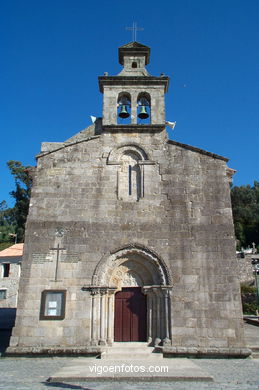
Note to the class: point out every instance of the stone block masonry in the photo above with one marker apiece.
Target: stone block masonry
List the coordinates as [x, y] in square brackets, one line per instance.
[124, 209]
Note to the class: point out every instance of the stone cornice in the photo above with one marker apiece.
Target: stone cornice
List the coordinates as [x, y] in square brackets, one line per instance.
[133, 80]
[133, 128]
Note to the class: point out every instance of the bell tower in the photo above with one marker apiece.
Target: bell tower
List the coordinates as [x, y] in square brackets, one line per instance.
[133, 100]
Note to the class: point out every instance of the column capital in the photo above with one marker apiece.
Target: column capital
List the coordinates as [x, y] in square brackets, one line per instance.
[99, 290]
[157, 289]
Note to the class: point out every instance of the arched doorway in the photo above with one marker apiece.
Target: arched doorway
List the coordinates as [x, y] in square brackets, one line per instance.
[131, 298]
[130, 306]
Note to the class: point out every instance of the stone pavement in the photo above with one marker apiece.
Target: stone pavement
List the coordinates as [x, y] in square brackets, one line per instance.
[125, 370]
[229, 374]
[32, 373]
[252, 335]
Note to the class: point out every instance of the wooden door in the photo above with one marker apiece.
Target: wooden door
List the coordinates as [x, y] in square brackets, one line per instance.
[130, 315]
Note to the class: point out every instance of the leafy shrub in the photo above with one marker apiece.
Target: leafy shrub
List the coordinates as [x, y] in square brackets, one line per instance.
[245, 289]
[250, 308]
[248, 295]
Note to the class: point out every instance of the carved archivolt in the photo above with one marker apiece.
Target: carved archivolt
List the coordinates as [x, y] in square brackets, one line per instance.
[132, 265]
[123, 276]
[130, 273]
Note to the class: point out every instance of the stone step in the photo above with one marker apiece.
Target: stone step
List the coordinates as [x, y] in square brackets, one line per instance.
[87, 369]
[130, 351]
[255, 351]
[130, 356]
[130, 344]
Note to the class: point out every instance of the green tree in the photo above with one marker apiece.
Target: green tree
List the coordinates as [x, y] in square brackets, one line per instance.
[245, 205]
[23, 184]
[12, 220]
[6, 225]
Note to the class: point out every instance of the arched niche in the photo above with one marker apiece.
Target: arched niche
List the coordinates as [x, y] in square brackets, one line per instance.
[124, 108]
[130, 174]
[116, 153]
[143, 108]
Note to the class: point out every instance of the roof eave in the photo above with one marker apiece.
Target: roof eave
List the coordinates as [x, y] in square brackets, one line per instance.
[198, 150]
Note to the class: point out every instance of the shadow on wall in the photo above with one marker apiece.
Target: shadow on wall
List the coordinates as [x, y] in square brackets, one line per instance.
[5, 336]
[7, 320]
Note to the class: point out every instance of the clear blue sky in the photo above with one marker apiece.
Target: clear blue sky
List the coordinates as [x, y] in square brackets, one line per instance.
[52, 52]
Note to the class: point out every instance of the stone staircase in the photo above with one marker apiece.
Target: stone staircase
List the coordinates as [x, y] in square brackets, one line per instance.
[130, 351]
[255, 352]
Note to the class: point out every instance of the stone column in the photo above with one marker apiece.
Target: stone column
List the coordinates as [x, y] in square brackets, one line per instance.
[134, 108]
[149, 295]
[167, 312]
[94, 335]
[110, 315]
[142, 179]
[158, 316]
[103, 315]
[109, 319]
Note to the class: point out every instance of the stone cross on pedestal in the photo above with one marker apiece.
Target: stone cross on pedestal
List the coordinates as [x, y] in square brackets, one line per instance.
[58, 249]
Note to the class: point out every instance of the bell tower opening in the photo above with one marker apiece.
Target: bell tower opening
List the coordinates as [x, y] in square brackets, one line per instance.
[124, 108]
[144, 108]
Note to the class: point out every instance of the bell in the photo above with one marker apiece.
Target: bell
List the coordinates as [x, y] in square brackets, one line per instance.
[123, 113]
[143, 113]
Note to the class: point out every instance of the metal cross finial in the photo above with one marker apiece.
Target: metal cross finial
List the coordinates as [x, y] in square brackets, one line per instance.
[134, 30]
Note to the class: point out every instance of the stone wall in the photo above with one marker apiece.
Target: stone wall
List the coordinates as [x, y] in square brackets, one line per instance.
[184, 215]
[10, 284]
[245, 269]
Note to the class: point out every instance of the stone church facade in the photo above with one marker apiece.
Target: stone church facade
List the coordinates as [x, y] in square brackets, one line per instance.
[129, 235]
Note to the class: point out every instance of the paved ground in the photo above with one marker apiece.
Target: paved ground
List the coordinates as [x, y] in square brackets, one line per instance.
[32, 373]
[229, 374]
[252, 335]
[148, 370]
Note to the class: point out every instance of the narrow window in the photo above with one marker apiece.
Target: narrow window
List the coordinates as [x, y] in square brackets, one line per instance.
[6, 270]
[134, 65]
[136, 181]
[130, 180]
[53, 305]
[2, 294]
